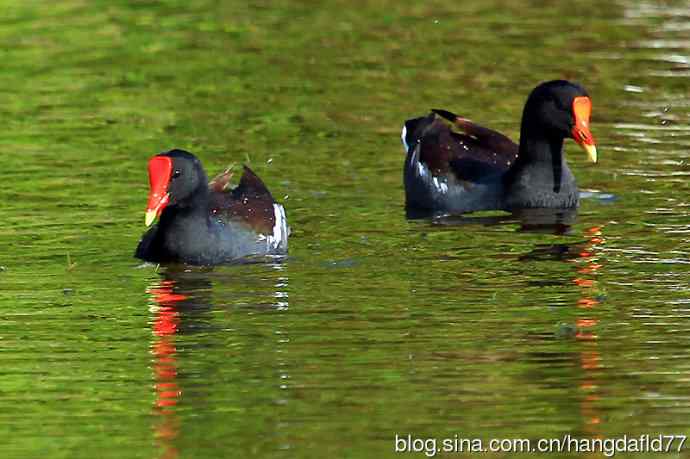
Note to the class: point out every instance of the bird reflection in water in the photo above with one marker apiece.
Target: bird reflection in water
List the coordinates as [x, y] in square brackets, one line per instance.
[180, 303]
[166, 322]
[550, 221]
[179, 300]
[584, 255]
[588, 265]
[590, 357]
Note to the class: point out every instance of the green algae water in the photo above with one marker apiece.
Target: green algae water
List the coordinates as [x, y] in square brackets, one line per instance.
[376, 325]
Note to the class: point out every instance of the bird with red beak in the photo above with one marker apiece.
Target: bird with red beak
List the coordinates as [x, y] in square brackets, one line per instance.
[206, 223]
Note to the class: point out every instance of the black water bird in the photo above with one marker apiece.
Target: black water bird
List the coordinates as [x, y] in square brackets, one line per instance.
[455, 166]
[204, 223]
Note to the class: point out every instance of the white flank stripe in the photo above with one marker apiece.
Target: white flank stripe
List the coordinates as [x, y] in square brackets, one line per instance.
[421, 169]
[440, 185]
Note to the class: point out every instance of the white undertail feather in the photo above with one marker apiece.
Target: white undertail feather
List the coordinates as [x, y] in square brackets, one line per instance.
[402, 137]
[278, 240]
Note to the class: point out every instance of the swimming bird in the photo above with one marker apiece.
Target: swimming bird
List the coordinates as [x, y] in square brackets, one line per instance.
[204, 223]
[454, 165]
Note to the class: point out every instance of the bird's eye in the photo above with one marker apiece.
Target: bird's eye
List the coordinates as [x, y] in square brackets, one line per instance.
[176, 174]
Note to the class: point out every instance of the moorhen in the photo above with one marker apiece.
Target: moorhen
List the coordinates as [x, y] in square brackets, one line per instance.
[203, 223]
[455, 166]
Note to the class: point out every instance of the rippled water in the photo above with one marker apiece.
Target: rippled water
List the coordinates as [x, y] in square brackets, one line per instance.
[376, 325]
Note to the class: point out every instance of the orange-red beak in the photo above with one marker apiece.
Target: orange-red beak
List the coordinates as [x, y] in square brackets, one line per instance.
[582, 109]
[160, 171]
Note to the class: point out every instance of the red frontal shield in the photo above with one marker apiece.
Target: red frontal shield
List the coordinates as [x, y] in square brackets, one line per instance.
[160, 171]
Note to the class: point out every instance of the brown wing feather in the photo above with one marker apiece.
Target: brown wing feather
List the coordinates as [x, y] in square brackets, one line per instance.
[488, 138]
[474, 153]
[249, 202]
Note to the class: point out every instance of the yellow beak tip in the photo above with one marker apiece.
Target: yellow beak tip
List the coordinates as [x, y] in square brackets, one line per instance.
[591, 153]
[150, 217]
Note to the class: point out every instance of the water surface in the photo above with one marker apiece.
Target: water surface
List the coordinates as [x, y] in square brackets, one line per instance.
[376, 325]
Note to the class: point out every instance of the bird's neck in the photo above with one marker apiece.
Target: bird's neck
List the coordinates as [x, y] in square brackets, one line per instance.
[541, 151]
[536, 145]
